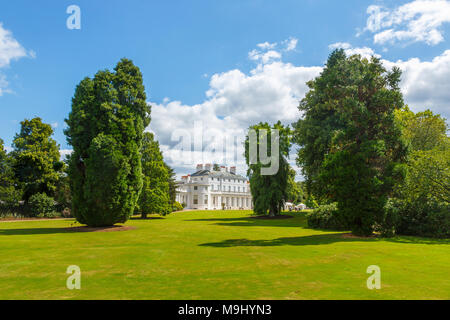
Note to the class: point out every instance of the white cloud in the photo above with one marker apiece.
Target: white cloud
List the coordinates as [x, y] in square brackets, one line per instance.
[64, 152]
[3, 84]
[364, 52]
[266, 45]
[426, 84]
[416, 21]
[10, 49]
[270, 92]
[291, 44]
[269, 52]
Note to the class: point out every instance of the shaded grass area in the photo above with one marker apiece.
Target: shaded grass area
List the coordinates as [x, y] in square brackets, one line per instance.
[216, 255]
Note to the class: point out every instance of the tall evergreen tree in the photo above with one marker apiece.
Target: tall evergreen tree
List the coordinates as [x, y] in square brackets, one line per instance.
[172, 185]
[155, 195]
[351, 148]
[269, 192]
[106, 127]
[10, 192]
[36, 158]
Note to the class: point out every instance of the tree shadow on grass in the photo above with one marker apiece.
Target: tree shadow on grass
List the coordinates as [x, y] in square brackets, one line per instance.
[289, 241]
[35, 231]
[254, 221]
[75, 229]
[319, 239]
[148, 218]
[417, 240]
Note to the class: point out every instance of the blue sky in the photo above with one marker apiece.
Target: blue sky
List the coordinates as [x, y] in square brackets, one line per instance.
[196, 54]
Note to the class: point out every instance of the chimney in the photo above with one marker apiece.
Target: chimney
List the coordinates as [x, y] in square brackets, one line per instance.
[208, 166]
[199, 167]
[233, 170]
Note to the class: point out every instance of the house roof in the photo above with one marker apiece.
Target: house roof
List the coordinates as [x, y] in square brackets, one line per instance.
[217, 174]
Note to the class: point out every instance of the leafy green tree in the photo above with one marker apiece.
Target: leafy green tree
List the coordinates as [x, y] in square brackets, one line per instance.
[423, 130]
[428, 173]
[216, 167]
[269, 191]
[172, 185]
[106, 127]
[9, 190]
[36, 163]
[351, 146]
[155, 195]
[294, 191]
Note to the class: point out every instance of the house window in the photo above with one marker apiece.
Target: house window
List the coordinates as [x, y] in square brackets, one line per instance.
[206, 199]
[195, 199]
[195, 188]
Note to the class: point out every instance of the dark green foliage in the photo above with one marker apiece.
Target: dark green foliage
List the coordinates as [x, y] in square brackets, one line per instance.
[63, 196]
[172, 184]
[177, 206]
[269, 192]
[36, 158]
[294, 191]
[155, 195]
[106, 127]
[427, 218]
[351, 147]
[326, 217]
[391, 219]
[41, 205]
[10, 194]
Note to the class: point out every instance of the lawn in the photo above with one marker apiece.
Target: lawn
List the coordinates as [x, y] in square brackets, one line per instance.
[216, 255]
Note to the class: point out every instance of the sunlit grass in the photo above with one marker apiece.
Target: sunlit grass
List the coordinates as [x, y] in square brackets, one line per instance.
[216, 255]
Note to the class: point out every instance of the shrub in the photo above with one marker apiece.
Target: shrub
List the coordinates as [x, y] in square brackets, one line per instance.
[428, 218]
[177, 206]
[40, 204]
[52, 214]
[325, 217]
[391, 219]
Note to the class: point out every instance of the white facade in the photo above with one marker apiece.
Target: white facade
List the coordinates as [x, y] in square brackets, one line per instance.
[208, 189]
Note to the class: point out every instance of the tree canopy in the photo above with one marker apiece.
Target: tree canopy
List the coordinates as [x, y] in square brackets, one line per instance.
[106, 127]
[269, 192]
[351, 147]
[36, 158]
[155, 195]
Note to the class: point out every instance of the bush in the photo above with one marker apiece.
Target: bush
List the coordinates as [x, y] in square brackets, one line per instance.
[52, 214]
[427, 218]
[40, 204]
[391, 219]
[177, 206]
[325, 217]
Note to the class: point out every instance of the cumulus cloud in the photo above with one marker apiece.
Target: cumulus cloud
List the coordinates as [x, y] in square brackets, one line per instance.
[425, 84]
[270, 92]
[10, 49]
[416, 21]
[268, 52]
[235, 100]
[364, 52]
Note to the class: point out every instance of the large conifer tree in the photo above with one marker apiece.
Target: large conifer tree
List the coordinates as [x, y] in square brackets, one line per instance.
[351, 148]
[106, 127]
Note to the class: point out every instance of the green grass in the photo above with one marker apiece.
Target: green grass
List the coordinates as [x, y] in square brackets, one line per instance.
[216, 255]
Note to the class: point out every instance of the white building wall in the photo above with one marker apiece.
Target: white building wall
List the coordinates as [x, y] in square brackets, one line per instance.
[215, 193]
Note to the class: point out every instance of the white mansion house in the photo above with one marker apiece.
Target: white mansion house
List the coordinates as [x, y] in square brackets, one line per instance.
[209, 189]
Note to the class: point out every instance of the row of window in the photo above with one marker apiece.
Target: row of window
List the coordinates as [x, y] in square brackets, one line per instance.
[225, 180]
[233, 201]
[224, 188]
